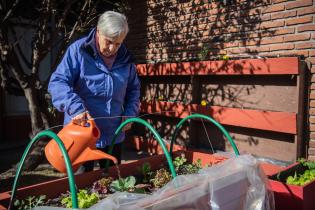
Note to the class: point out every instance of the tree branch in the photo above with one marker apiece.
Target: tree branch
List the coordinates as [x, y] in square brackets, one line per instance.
[40, 38]
[10, 11]
[9, 84]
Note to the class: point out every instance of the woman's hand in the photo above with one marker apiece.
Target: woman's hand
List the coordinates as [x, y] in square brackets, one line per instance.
[128, 126]
[81, 119]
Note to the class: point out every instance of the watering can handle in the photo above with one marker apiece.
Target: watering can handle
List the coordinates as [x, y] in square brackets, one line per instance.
[92, 123]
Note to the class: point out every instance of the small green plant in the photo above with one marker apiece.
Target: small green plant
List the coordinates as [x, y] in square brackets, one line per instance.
[102, 186]
[179, 161]
[182, 167]
[121, 185]
[145, 170]
[30, 202]
[203, 54]
[190, 168]
[161, 178]
[304, 178]
[308, 164]
[85, 200]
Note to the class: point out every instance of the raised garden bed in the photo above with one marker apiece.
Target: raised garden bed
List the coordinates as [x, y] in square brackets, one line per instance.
[53, 189]
[288, 195]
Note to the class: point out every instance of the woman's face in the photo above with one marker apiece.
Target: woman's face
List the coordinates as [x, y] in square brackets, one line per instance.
[107, 46]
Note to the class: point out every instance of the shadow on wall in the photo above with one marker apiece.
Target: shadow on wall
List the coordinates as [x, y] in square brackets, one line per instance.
[169, 37]
[186, 31]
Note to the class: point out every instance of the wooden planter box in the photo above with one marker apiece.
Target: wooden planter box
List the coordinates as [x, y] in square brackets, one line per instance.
[228, 190]
[53, 188]
[292, 197]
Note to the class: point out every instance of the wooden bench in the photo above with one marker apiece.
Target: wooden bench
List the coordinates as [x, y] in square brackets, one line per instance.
[285, 126]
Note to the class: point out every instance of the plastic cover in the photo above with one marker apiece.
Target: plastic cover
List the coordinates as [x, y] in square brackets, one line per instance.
[237, 183]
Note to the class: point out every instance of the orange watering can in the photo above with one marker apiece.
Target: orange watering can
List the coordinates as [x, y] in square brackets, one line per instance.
[79, 142]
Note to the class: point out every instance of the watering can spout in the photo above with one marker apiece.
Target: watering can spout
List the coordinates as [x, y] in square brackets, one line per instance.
[93, 154]
[80, 143]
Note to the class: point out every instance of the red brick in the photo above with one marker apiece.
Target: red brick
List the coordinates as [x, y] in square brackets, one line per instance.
[249, 42]
[311, 59]
[277, 39]
[312, 103]
[312, 127]
[282, 31]
[281, 15]
[312, 96]
[273, 8]
[311, 152]
[237, 50]
[313, 88]
[287, 53]
[297, 37]
[312, 111]
[312, 54]
[299, 3]
[230, 44]
[306, 28]
[300, 20]
[281, 47]
[272, 24]
[265, 17]
[295, 53]
[313, 36]
[312, 120]
[278, 1]
[311, 158]
[312, 136]
[258, 49]
[250, 12]
[305, 45]
[306, 11]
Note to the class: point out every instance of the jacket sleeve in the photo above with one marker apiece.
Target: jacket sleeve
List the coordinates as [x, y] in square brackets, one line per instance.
[132, 98]
[62, 83]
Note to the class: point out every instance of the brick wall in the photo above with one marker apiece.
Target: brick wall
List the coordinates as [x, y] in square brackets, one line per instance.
[179, 30]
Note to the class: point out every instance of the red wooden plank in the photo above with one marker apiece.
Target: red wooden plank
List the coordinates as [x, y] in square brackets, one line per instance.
[268, 66]
[284, 122]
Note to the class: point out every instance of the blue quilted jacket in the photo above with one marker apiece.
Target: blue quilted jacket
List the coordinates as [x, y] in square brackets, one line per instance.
[83, 82]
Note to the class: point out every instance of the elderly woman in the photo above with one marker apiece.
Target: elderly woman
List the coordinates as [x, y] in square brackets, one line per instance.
[97, 79]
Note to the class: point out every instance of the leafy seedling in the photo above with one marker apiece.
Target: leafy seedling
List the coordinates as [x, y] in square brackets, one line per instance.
[145, 170]
[121, 185]
[30, 202]
[102, 186]
[179, 161]
[85, 200]
[161, 178]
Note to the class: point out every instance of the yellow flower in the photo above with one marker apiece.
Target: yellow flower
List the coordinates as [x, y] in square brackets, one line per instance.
[160, 98]
[203, 103]
[225, 57]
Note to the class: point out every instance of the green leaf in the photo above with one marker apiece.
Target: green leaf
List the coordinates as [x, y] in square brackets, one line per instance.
[130, 182]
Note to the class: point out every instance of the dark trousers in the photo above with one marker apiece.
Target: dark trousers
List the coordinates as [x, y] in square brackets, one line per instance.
[89, 165]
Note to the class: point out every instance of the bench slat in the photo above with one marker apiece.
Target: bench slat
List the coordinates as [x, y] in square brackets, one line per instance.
[284, 122]
[268, 66]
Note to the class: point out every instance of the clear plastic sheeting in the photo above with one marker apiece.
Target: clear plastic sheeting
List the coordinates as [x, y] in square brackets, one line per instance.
[235, 184]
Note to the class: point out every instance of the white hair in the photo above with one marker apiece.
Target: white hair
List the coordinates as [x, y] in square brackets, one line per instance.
[113, 25]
